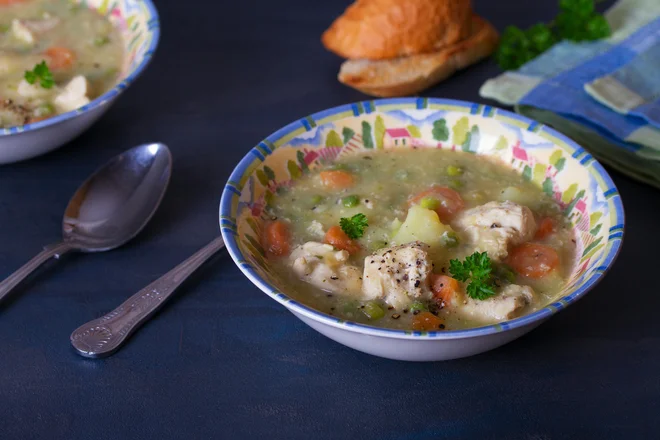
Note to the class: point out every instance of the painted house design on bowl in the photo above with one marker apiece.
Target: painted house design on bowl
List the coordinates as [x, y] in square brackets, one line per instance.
[553, 162]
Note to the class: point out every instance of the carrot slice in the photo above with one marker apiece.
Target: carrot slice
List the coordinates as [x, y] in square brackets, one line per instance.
[444, 287]
[10, 2]
[533, 260]
[337, 179]
[276, 238]
[450, 202]
[546, 228]
[338, 238]
[60, 58]
[427, 321]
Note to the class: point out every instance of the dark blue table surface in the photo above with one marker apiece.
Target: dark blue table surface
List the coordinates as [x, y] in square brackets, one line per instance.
[223, 360]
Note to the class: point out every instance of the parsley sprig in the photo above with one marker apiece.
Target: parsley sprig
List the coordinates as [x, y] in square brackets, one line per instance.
[354, 227]
[477, 268]
[40, 73]
[577, 21]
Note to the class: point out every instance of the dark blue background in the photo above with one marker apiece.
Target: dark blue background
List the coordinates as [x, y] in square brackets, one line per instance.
[223, 360]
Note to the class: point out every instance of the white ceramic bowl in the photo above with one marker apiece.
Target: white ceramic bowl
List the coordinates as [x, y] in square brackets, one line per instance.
[138, 23]
[554, 162]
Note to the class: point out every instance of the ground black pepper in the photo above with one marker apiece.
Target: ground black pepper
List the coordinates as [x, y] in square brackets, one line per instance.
[396, 316]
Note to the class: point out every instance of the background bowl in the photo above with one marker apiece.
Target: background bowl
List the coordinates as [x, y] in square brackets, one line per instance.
[138, 23]
[558, 165]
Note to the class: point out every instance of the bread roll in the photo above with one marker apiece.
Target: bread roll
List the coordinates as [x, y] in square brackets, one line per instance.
[412, 74]
[386, 29]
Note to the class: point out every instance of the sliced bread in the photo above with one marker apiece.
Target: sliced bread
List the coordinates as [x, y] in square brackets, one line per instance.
[412, 74]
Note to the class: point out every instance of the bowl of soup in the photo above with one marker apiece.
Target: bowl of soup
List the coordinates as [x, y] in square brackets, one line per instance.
[63, 63]
[421, 229]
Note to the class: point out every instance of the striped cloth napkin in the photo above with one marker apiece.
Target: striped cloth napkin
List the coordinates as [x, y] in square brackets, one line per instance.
[603, 94]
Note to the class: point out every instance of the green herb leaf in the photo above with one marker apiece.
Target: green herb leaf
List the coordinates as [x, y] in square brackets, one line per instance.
[42, 74]
[354, 227]
[577, 21]
[477, 269]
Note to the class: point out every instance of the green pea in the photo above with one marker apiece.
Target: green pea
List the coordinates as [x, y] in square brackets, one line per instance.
[317, 199]
[350, 201]
[101, 41]
[373, 310]
[429, 203]
[454, 171]
[4, 28]
[418, 306]
[450, 239]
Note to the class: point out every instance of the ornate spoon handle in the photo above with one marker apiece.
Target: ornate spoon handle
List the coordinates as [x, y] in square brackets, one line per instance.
[54, 250]
[105, 335]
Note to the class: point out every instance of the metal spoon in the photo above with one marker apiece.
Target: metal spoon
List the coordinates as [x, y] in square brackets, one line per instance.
[105, 335]
[109, 209]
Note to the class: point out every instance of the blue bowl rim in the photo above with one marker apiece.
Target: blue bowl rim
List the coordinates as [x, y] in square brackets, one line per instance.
[536, 317]
[110, 95]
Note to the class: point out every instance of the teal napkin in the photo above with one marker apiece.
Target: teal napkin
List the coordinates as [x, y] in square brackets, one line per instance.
[603, 94]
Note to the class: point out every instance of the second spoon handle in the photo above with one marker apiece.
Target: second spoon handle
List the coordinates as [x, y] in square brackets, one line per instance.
[54, 250]
[103, 336]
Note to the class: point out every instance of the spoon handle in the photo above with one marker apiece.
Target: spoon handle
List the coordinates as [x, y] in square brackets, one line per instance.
[105, 335]
[54, 250]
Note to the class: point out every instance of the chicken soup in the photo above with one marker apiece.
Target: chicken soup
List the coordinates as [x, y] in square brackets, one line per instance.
[419, 240]
[55, 56]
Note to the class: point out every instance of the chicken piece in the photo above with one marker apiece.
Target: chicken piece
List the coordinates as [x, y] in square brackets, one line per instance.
[22, 33]
[325, 267]
[398, 275]
[315, 229]
[47, 23]
[27, 90]
[496, 226]
[73, 96]
[509, 303]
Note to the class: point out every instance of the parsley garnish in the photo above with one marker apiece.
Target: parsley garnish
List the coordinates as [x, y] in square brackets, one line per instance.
[577, 21]
[354, 227]
[40, 73]
[476, 268]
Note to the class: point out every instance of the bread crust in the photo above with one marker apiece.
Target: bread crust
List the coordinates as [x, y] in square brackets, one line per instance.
[412, 74]
[385, 29]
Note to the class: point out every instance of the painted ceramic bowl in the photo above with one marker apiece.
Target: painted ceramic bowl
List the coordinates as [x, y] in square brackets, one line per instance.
[138, 23]
[558, 165]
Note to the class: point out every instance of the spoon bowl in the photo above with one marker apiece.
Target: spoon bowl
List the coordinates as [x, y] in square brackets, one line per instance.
[110, 208]
[115, 203]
